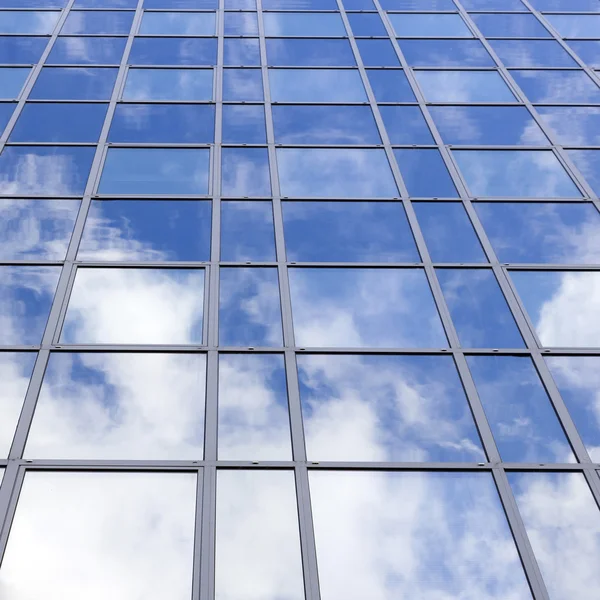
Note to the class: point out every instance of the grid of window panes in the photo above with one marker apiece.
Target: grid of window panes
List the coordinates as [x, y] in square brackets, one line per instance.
[300, 299]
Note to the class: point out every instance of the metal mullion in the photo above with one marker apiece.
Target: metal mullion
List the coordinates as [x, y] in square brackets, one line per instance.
[295, 407]
[9, 496]
[196, 569]
[207, 545]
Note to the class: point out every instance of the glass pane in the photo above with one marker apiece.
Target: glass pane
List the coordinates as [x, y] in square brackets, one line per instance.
[413, 535]
[254, 422]
[50, 122]
[588, 162]
[74, 83]
[429, 25]
[104, 307]
[416, 4]
[448, 232]
[406, 125]
[312, 85]
[155, 171]
[557, 86]
[300, 5]
[348, 232]
[309, 53]
[589, 51]
[249, 311]
[518, 410]
[463, 86]
[44, 170]
[173, 23]
[28, 22]
[576, 26]
[325, 125]
[566, 5]
[303, 24]
[577, 125]
[245, 172]
[6, 112]
[515, 173]
[36, 229]
[542, 232]
[563, 525]
[242, 84]
[32, 3]
[173, 51]
[507, 25]
[86, 51]
[26, 295]
[237, 51]
[336, 307]
[376, 53]
[244, 124]
[147, 230]
[197, 4]
[120, 406]
[487, 125]
[12, 80]
[98, 22]
[169, 84]
[105, 3]
[335, 173]
[446, 53]
[257, 536]
[244, 23]
[480, 313]
[163, 123]
[390, 86]
[531, 53]
[247, 231]
[515, 5]
[239, 4]
[366, 24]
[385, 408]
[562, 305]
[139, 527]
[22, 50]
[425, 174]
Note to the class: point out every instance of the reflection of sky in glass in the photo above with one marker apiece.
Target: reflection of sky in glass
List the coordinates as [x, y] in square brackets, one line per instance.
[406, 125]
[12, 80]
[316, 85]
[242, 84]
[588, 162]
[446, 53]
[245, 172]
[173, 51]
[309, 53]
[577, 125]
[87, 50]
[425, 173]
[377, 53]
[429, 25]
[173, 23]
[531, 53]
[22, 50]
[464, 86]
[98, 22]
[589, 51]
[366, 24]
[390, 86]
[240, 24]
[507, 25]
[29, 22]
[576, 26]
[243, 124]
[557, 86]
[301, 24]
[385, 408]
[169, 84]
[238, 52]
[74, 83]
[247, 231]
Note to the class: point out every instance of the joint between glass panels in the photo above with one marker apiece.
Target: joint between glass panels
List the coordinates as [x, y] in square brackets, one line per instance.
[206, 559]
[9, 496]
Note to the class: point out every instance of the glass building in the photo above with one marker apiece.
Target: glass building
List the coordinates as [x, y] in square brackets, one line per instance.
[300, 299]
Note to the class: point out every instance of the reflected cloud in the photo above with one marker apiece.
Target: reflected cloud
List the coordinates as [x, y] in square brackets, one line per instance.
[245, 172]
[464, 86]
[247, 231]
[169, 84]
[577, 125]
[557, 86]
[316, 85]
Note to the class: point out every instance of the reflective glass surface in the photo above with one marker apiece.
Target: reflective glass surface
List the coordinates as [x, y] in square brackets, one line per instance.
[121, 406]
[247, 231]
[518, 410]
[385, 408]
[415, 5]
[300, 4]
[137, 526]
[240, 4]
[507, 25]
[146, 230]
[303, 24]
[429, 25]
[243, 124]
[479, 311]
[21, 50]
[249, 310]
[169, 84]
[425, 173]
[531, 53]
[74, 83]
[173, 23]
[253, 408]
[239, 51]
[191, 4]
[104, 307]
[245, 172]
[6, 111]
[577, 125]
[377, 53]
[86, 51]
[512, 5]
[95, 22]
[576, 26]
[589, 51]
[390, 86]
[173, 51]
[366, 24]
[28, 22]
[463, 86]
[588, 162]
[566, 5]
[406, 125]
[446, 53]
[244, 23]
[316, 85]
[347, 232]
[309, 53]
[439, 523]
[381, 308]
[12, 80]
[242, 84]
[106, 3]
[557, 86]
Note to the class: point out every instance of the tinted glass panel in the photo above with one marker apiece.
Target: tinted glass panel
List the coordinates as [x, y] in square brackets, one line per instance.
[375, 53]
[300, 4]
[21, 50]
[12, 81]
[232, 4]
[249, 311]
[429, 25]
[63, 83]
[366, 24]
[515, 5]
[94, 22]
[87, 51]
[425, 174]
[323, 85]
[313, 24]
[247, 231]
[329, 308]
[557, 86]
[576, 26]
[244, 124]
[245, 172]
[6, 111]
[478, 308]
[577, 125]
[104, 307]
[241, 24]
[143, 230]
[173, 23]
[588, 51]
[169, 84]
[357, 5]
[242, 84]
[446, 53]
[241, 52]
[566, 5]
[309, 53]
[120, 406]
[385, 408]
[173, 51]
[531, 53]
[464, 86]
[588, 162]
[416, 4]
[30, 22]
[106, 3]
[406, 125]
[390, 86]
[348, 232]
[181, 4]
[506, 25]
[254, 420]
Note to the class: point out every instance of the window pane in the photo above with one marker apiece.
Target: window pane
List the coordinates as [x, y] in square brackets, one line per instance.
[464, 86]
[348, 232]
[32, 3]
[577, 125]
[244, 124]
[254, 422]
[413, 535]
[87, 51]
[425, 174]
[507, 25]
[26, 295]
[531, 53]
[515, 5]
[375, 53]
[385, 408]
[245, 172]
[44, 170]
[448, 232]
[429, 25]
[312, 85]
[325, 125]
[120, 406]
[237, 51]
[562, 305]
[137, 526]
[75, 83]
[390, 86]
[242, 84]
[576, 26]
[480, 313]
[249, 311]
[563, 525]
[155, 171]
[12, 80]
[197, 4]
[95, 22]
[244, 23]
[104, 307]
[335, 173]
[6, 112]
[147, 230]
[309, 53]
[28, 22]
[21, 50]
[566, 5]
[557, 86]
[446, 53]
[366, 24]
[514, 173]
[173, 23]
[300, 5]
[247, 231]
[173, 51]
[336, 307]
[518, 410]
[588, 162]
[416, 4]
[239, 4]
[106, 3]
[303, 24]
[542, 232]
[589, 51]
[257, 535]
[406, 125]
[169, 84]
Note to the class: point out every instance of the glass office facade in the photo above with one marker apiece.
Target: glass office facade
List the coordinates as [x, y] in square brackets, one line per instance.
[300, 299]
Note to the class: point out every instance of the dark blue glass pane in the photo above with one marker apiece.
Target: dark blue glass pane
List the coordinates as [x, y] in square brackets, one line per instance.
[358, 5]
[74, 83]
[507, 25]
[299, 4]
[406, 125]
[309, 53]
[44, 170]
[178, 23]
[316, 85]
[49, 122]
[87, 51]
[325, 125]
[507, 5]
[390, 86]
[366, 24]
[243, 23]
[377, 53]
[448, 232]
[532, 53]
[566, 5]
[588, 162]
[347, 232]
[169, 84]
[425, 173]
[497, 125]
[416, 5]
[588, 51]
[576, 26]
[242, 84]
[518, 410]
[464, 86]
[6, 111]
[244, 124]
[247, 231]
[155, 171]
[32, 3]
[303, 24]
[173, 51]
[429, 25]
[12, 80]
[240, 4]
[557, 86]
[245, 172]
[105, 3]
[28, 22]
[446, 53]
[479, 311]
[575, 125]
[241, 52]
[198, 4]
[97, 21]
[146, 230]
[21, 50]
[249, 309]
[168, 123]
